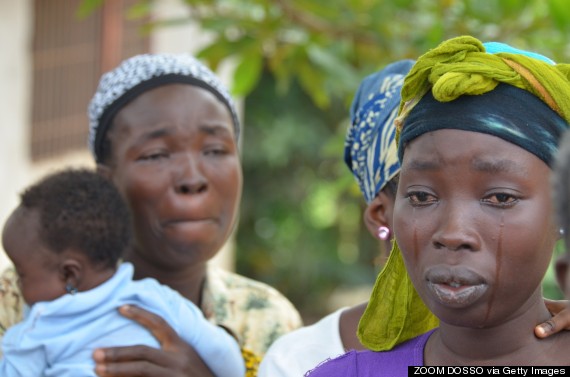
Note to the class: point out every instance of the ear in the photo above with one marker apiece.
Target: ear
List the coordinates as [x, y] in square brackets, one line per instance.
[71, 271]
[379, 213]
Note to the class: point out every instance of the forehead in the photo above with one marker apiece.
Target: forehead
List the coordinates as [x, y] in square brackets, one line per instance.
[21, 232]
[450, 147]
[173, 104]
[177, 98]
[22, 219]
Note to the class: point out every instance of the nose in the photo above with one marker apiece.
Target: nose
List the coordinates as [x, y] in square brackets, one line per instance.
[457, 229]
[190, 178]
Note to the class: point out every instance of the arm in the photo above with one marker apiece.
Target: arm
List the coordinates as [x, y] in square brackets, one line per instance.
[175, 358]
[560, 320]
[216, 347]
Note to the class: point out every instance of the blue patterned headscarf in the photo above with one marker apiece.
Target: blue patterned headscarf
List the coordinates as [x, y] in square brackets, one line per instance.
[370, 150]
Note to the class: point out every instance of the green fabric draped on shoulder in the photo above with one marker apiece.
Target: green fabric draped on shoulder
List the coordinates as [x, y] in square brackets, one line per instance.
[395, 312]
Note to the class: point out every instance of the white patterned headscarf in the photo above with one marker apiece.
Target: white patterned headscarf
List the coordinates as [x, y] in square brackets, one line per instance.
[141, 73]
[370, 146]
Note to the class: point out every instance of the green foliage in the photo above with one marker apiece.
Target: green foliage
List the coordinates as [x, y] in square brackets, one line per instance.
[298, 64]
[86, 7]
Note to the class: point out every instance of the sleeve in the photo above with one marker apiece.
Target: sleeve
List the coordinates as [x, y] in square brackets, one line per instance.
[27, 361]
[216, 347]
[342, 366]
[273, 365]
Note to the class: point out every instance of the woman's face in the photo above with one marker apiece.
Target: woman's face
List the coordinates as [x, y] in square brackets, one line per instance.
[175, 159]
[473, 219]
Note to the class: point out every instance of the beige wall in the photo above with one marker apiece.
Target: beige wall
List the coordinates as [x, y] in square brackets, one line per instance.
[14, 102]
[16, 169]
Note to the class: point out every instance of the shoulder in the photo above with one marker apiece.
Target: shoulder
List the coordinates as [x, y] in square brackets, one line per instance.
[342, 366]
[253, 310]
[363, 364]
[249, 294]
[378, 364]
[301, 350]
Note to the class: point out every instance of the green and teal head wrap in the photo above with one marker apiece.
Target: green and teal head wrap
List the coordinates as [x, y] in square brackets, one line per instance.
[463, 84]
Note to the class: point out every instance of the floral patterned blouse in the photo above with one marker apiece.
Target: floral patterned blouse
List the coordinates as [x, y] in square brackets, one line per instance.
[254, 312]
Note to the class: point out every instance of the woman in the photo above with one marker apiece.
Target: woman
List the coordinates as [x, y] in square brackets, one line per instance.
[371, 155]
[165, 131]
[472, 217]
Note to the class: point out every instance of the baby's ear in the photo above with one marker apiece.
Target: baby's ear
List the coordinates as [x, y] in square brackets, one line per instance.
[562, 271]
[71, 271]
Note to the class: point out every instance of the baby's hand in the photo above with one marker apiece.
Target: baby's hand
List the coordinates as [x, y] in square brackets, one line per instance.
[560, 309]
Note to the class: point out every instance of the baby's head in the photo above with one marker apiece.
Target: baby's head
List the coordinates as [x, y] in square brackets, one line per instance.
[68, 228]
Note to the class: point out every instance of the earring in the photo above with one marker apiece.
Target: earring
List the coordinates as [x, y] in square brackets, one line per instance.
[561, 231]
[383, 233]
[70, 289]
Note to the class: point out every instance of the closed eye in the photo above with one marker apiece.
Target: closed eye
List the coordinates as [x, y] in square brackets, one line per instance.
[152, 156]
[215, 152]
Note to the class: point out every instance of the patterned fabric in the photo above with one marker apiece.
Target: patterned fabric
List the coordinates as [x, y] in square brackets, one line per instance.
[507, 112]
[11, 301]
[257, 313]
[254, 312]
[370, 148]
[141, 73]
[462, 66]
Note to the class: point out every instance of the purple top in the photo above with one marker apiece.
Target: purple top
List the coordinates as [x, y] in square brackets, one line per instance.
[393, 363]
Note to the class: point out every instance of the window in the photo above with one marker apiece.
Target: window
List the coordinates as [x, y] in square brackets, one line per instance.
[69, 56]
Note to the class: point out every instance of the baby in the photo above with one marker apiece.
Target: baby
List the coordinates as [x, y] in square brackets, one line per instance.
[65, 240]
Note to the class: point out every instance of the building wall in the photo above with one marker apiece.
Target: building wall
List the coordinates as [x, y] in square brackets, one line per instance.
[15, 19]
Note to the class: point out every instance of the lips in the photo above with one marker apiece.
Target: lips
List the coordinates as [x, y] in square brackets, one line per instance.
[186, 222]
[455, 286]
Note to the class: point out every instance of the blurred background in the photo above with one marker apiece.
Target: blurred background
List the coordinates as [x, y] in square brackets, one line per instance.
[293, 65]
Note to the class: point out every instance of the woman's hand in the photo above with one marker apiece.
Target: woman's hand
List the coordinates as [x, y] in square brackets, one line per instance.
[175, 358]
[560, 320]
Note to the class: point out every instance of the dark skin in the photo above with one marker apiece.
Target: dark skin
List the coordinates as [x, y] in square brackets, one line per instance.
[490, 223]
[379, 213]
[43, 273]
[175, 160]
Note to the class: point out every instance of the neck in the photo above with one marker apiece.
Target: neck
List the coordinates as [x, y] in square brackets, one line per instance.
[187, 281]
[348, 326]
[509, 343]
[95, 277]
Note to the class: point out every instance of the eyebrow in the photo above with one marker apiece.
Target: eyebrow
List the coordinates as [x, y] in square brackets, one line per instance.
[423, 165]
[486, 166]
[156, 134]
[498, 166]
[215, 130]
